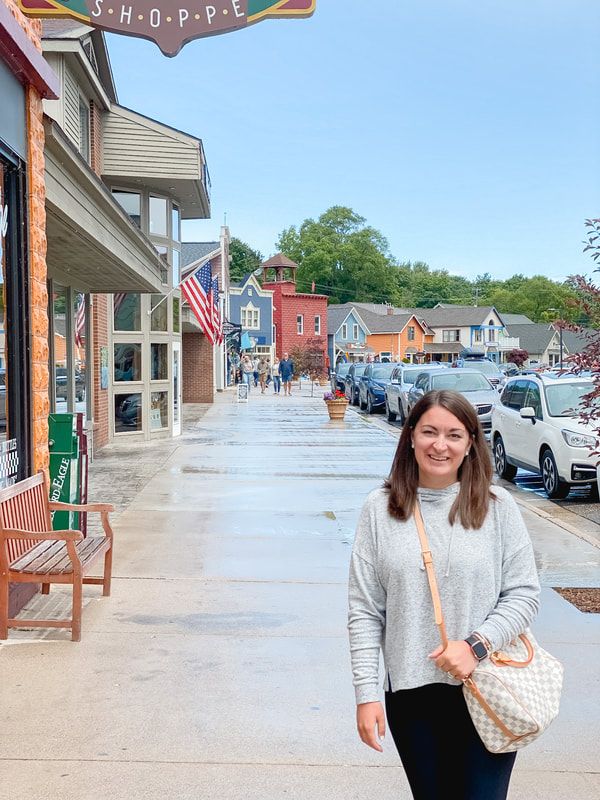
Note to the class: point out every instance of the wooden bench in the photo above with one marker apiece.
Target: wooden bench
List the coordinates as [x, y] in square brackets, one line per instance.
[31, 552]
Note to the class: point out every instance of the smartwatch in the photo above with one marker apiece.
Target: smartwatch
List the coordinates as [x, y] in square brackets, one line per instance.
[478, 646]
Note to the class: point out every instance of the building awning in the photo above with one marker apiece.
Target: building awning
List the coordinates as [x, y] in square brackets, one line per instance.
[92, 243]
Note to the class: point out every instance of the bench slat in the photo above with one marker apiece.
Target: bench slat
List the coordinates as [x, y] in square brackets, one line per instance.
[54, 560]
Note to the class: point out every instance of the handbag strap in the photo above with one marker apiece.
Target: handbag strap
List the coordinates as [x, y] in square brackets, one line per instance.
[429, 569]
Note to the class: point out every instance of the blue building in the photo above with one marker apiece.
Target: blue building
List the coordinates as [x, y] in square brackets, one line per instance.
[251, 306]
[346, 335]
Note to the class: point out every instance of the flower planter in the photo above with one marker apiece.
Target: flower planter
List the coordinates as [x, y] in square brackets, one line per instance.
[336, 408]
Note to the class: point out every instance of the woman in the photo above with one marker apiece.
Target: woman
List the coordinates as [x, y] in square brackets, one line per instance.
[489, 591]
[275, 376]
[262, 375]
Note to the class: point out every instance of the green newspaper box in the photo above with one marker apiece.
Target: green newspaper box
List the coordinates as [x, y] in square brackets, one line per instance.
[63, 444]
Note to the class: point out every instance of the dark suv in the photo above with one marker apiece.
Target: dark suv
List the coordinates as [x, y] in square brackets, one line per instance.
[371, 389]
[353, 377]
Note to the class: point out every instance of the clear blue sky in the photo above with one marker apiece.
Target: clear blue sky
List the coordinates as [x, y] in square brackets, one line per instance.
[466, 131]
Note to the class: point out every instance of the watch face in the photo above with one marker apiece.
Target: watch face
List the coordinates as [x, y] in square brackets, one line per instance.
[479, 649]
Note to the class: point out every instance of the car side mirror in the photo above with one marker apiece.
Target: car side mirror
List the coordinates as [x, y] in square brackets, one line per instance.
[528, 413]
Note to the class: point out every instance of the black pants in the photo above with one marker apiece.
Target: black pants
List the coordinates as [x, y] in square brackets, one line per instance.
[440, 749]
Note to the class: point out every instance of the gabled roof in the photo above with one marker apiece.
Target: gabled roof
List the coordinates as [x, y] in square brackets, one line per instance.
[195, 251]
[576, 342]
[456, 316]
[386, 323]
[337, 315]
[533, 337]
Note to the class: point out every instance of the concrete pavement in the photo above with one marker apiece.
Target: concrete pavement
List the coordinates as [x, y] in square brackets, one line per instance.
[219, 667]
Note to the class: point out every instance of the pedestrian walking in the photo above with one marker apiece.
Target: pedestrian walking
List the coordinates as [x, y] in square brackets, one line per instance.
[255, 370]
[286, 373]
[262, 375]
[489, 591]
[275, 376]
[247, 372]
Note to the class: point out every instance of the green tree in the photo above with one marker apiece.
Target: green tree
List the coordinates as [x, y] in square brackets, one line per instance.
[243, 259]
[345, 258]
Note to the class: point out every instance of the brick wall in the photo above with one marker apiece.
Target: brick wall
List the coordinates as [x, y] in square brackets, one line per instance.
[288, 305]
[100, 322]
[197, 369]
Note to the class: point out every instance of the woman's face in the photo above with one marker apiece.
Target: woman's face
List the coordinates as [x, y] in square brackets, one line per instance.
[440, 441]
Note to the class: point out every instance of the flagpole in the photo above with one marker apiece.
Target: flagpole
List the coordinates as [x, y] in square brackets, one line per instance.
[163, 298]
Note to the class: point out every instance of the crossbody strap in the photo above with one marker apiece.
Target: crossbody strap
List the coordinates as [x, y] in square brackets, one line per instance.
[429, 569]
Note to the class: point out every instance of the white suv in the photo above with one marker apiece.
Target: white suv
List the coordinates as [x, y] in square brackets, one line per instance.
[536, 426]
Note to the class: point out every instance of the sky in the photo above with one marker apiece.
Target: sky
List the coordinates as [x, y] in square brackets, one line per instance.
[466, 131]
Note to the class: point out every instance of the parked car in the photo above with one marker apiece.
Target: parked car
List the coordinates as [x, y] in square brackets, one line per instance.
[338, 376]
[129, 411]
[535, 426]
[396, 391]
[371, 388]
[469, 382]
[352, 380]
[489, 368]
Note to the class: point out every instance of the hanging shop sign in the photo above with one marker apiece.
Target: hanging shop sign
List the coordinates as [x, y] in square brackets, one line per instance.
[169, 23]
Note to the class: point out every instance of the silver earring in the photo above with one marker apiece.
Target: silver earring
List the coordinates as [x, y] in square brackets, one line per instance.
[412, 444]
[467, 453]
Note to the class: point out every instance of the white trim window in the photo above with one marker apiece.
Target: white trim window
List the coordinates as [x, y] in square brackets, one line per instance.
[317, 325]
[300, 324]
[452, 335]
[344, 332]
[355, 332]
[250, 318]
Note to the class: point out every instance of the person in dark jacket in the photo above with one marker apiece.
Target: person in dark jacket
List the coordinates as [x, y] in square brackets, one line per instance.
[286, 373]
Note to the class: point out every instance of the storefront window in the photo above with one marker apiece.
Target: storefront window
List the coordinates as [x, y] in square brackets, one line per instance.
[176, 315]
[158, 318]
[159, 368]
[159, 410]
[158, 216]
[131, 204]
[128, 413]
[61, 376]
[176, 275]
[128, 362]
[79, 350]
[126, 312]
[3, 337]
[175, 234]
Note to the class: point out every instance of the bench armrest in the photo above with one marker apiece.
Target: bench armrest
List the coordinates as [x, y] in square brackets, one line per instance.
[46, 536]
[56, 506]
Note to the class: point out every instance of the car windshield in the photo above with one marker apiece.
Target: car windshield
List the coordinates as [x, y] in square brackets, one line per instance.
[410, 375]
[342, 369]
[359, 369]
[564, 399]
[468, 382]
[483, 366]
[384, 371]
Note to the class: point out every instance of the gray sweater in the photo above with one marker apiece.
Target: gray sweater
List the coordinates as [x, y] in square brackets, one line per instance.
[487, 580]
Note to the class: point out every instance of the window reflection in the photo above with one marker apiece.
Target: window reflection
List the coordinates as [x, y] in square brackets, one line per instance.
[175, 315]
[159, 370]
[158, 216]
[130, 202]
[79, 329]
[175, 225]
[158, 318]
[126, 312]
[61, 383]
[127, 362]
[128, 413]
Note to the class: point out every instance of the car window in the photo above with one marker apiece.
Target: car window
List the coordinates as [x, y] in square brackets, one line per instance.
[460, 382]
[410, 375]
[516, 398]
[359, 369]
[533, 398]
[483, 366]
[420, 382]
[383, 371]
[564, 399]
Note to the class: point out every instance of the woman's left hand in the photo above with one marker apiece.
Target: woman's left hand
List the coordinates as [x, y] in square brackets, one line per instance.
[457, 659]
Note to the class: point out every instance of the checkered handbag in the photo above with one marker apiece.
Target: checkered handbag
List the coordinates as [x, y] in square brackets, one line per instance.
[514, 694]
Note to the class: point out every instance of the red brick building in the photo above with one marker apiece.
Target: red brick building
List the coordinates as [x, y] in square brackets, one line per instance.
[298, 319]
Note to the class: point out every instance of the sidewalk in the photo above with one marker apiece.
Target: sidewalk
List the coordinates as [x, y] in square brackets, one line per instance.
[219, 667]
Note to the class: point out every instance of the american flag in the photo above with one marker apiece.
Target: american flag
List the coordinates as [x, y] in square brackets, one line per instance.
[80, 321]
[196, 289]
[217, 326]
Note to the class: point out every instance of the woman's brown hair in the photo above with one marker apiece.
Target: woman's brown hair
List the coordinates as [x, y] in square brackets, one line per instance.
[475, 473]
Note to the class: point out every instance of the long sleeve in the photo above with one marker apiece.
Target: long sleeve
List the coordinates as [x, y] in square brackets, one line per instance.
[366, 612]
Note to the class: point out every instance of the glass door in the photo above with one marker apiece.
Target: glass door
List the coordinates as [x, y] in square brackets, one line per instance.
[176, 388]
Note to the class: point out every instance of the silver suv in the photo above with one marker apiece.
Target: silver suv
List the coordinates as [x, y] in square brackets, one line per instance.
[536, 426]
[396, 391]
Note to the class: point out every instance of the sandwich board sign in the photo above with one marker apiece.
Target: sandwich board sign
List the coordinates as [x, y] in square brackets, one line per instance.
[169, 23]
[243, 391]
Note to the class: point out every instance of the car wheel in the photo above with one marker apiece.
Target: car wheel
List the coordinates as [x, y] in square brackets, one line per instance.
[391, 415]
[361, 404]
[401, 413]
[370, 408]
[503, 468]
[354, 398]
[554, 486]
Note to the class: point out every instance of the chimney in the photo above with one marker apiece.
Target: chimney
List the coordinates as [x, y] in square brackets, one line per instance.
[390, 310]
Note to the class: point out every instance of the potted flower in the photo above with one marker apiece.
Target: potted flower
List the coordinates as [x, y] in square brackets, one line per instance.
[336, 403]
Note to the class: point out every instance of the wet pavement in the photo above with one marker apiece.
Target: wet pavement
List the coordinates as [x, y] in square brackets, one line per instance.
[219, 666]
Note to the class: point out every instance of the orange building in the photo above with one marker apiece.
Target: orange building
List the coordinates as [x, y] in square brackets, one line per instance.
[396, 336]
